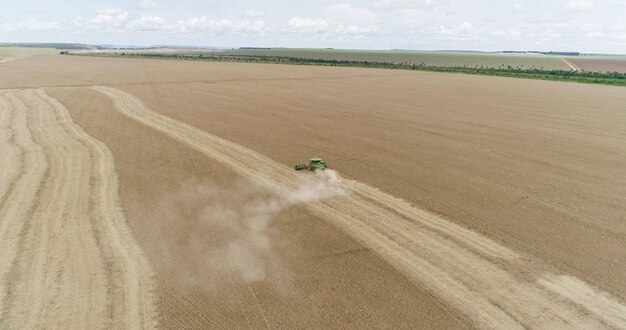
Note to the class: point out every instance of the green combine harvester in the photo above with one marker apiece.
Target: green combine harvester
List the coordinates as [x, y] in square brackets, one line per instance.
[314, 164]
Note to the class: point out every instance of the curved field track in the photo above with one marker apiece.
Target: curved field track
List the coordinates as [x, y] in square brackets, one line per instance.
[67, 257]
[492, 285]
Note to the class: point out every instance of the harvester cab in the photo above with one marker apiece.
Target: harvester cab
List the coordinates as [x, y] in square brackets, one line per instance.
[314, 164]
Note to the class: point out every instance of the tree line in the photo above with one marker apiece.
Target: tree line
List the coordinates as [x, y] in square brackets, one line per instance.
[591, 77]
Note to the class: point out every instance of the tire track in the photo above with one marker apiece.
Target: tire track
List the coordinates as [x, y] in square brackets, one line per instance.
[490, 284]
[75, 264]
[8, 149]
[40, 260]
[30, 166]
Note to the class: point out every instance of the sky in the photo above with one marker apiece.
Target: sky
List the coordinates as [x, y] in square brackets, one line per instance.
[562, 25]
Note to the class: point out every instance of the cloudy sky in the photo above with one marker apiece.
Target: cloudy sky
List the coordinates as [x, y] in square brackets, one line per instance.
[581, 25]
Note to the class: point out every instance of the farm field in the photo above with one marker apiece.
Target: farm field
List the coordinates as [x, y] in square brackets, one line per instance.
[430, 58]
[460, 201]
[12, 53]
[601, 64]
[588, 63]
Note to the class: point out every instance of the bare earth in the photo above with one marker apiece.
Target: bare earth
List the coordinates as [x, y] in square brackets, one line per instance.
[8, 54]
[601, 65]
[470, 201]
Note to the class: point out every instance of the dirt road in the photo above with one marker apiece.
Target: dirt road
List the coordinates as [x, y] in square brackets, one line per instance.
[572, 66]
[492, 285]
[67, 258]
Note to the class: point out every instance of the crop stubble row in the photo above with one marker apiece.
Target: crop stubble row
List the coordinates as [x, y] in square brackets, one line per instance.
[67, 257]
[491, 284]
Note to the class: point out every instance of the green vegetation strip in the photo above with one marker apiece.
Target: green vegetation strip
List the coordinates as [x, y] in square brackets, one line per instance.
[604, 78]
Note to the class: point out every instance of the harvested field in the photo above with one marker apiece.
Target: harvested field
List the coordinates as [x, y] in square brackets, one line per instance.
[434, 58]
[589, 63]
[600, 64]
[67, 255]
[315, 264]
[13, 53]
[450, 260]
[465, 201]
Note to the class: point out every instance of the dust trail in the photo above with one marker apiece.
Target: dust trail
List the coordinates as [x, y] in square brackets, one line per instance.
[245, 212]
[68, 257]
[241, 215]
[492, 285]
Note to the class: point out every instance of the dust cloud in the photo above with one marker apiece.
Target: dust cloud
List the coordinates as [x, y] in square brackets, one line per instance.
[246, 212]
[228, 227]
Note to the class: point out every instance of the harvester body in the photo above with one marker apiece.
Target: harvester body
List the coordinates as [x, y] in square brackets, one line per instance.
[314, 164]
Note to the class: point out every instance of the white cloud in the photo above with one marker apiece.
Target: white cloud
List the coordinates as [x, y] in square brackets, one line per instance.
[580, 5]
[248, 26]
[308, 24]
[213, 27]
[423, 11]
[329, 29]
[425, 24]
[198, 24]
[510, 34]
[77, 21]
[111, 16]
[587, 27]
[255, 13]
[150, 5]
[347, 13]
[410, 15]
[465, 26]
[458, 32]
[384, 4]
[149, 23]
[354, 30]
[39, 25]
[119, 21]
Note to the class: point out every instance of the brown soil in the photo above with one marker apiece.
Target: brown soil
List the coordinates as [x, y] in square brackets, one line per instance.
[601, 65]
[322, 278]
[535, 166]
